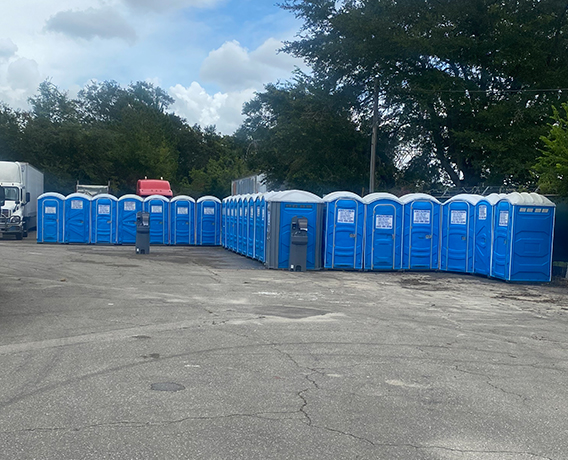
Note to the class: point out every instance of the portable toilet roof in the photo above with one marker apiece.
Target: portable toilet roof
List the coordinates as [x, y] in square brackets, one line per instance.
[418, 196]
[182, 197]
[52, 195]
[493, 198]
[104, 195]
[470, 198]
[209, 198]
[295, 196]
[528, 199]
[131, 196]
[371, 197]
[341, 194]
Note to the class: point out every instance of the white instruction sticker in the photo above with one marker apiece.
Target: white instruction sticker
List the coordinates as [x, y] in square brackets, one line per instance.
[383, 222]
[50, 210]
[104, 208]
[345, 216]
[129, 206]
[156, 209]
[458, 217]
[421, 216]
[76, 204]
[503, 218]
[209, 211]
[183, 211]
[482, 215]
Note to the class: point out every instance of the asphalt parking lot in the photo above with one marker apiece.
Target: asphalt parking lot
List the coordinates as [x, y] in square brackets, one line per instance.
[198, 353]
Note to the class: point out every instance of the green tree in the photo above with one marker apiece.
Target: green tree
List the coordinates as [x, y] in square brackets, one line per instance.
[552, 166]
[469, 84]
[302, 137]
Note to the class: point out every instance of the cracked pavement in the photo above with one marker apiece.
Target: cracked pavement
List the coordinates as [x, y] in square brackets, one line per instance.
[273, 364]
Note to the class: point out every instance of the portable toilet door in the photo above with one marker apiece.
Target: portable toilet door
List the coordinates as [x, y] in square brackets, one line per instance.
[421, 232]
[127, 208]
[51, 215]
[344, 229]
[251, 226]
[383, 232]
[77, 218]
[158, 208]
[182, 220]
[484, 228]
[103, 219]
[257, 225]
[523, 238]
[232, 225]
[209, 221]
[246, 206]
[458, 233]
[224, 220]
[281, 209]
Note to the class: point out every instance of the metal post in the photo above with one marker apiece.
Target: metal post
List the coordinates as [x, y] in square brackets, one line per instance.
[374, 136]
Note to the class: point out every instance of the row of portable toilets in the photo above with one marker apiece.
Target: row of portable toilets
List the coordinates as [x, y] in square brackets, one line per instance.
[105, 219]
[505, 236]
[502, 236]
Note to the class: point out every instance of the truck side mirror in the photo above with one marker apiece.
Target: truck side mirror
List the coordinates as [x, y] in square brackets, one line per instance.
[28, 197]
[2, 196]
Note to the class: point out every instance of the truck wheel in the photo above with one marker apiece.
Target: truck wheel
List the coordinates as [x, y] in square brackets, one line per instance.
[19, 236]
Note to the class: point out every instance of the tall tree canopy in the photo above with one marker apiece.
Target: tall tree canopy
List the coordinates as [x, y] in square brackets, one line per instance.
[552, 166]
[303, 138]
[109, 132]
[469, 83]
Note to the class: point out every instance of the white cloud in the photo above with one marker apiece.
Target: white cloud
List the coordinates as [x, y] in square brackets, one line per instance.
[221, 109]
[162, 5]
[7, 49]
[105, 23]
[23, 74]
[232, 66]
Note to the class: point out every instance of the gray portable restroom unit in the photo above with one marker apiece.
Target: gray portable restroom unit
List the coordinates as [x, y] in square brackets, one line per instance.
[286, 213]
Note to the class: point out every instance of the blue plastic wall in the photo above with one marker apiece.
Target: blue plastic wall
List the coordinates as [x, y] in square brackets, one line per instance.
[182, 221]
[127, 208]
[158, 207]
[383, 239]
[483, 238]
[51, 215]
[287, 212]
[104, 219]
[458, 232]
[251, 227]
[208, 223]
[344, 229]
[421, 235]
[522, 245]
[77, 218]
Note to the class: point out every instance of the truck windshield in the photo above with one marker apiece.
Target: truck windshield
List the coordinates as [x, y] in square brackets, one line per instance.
[12, 193]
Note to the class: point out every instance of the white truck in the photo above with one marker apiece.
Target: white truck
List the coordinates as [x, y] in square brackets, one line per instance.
[22, 184]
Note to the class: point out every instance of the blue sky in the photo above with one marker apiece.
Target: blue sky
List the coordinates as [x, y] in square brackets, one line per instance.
[210, 55]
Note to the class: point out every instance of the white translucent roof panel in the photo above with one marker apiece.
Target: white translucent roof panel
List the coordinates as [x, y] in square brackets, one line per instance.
[418, 196]
[339, 195]
[372, 197]
[295, 196]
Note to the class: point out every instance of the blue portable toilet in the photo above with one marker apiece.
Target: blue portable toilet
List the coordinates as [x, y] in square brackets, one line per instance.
[344, 231]
[158, 208]
[383, 231]
[251, 224]
[182, 220]
[263, 223]
[239, 229]
[77, 218]
[281, 208]
[523, 237]
[209, 221]
[224, 228]
[104, 218]
[421, 232]
[257, 225]
[483, 253]
[231, 223]
[457, 250]
[51, 216]
[245, 227]
[127, 208]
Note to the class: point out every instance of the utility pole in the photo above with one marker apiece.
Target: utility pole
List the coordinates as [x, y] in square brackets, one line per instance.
[374, 136]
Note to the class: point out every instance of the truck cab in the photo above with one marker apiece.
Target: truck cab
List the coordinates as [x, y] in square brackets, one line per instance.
[22, 184]
[147, 187]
